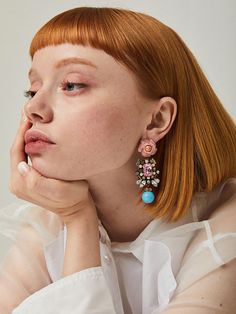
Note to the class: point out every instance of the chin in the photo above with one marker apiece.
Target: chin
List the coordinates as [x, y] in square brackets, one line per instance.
[45, 169]
[48, 170]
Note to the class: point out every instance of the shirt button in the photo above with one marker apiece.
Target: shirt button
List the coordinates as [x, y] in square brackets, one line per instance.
[107, 259]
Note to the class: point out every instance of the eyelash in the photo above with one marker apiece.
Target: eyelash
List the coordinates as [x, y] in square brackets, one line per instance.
[30, 93]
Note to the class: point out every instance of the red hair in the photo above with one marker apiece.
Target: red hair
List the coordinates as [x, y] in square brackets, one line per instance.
[200, 149]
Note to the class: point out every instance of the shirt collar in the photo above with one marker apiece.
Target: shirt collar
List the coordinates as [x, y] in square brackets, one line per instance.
[152, 230]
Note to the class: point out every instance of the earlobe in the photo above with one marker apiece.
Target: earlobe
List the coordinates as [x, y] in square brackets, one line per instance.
[163, 117]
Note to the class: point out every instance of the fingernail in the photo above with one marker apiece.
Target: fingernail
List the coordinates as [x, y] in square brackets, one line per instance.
[23, 168]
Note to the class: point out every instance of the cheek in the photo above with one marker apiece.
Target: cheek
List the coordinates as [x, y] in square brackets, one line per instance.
[103, 129]
[107, 134]
[90, 143]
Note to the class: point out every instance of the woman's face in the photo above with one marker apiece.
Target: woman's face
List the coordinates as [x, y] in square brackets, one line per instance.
[89, 107]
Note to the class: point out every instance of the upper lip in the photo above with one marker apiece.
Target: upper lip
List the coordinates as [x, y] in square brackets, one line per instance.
[35, 135]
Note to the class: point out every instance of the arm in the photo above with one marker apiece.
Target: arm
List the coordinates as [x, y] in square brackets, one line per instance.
[82, 245]
[82, 288]
[23, 271]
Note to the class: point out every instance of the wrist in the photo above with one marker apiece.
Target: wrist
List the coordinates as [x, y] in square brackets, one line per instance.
[86, 216]
[82, 243]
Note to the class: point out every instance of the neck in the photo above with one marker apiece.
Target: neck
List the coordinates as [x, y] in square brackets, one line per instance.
[115, 194]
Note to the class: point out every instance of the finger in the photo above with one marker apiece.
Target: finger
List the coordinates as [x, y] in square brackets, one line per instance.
[63, 193]
[52, 194]
[42, 191]
[18, 148]
[53, 191]
[25, 184]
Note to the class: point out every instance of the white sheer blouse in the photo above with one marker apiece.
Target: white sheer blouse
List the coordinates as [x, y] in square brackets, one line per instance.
[138, 277]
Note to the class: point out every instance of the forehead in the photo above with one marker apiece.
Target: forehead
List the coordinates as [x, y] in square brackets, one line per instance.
[57, 57]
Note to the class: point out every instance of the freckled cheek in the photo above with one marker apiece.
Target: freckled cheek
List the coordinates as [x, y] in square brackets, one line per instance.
[102, 129]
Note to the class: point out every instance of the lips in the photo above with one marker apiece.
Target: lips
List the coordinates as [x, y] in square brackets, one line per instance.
[34, 136]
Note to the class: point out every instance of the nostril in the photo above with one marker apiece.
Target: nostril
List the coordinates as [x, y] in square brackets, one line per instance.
[40, 113]
[35, 116]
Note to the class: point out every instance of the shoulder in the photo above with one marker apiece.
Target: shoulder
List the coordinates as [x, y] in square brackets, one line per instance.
[209, 264]
[222, 219]
[214, 293]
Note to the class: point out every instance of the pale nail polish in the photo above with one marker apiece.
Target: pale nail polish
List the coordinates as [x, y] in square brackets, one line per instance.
[23, 168]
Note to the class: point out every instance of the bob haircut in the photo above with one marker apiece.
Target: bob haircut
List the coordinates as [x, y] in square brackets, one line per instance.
[200, 149]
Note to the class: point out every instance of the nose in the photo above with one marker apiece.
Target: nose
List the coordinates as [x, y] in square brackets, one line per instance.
[38, 110]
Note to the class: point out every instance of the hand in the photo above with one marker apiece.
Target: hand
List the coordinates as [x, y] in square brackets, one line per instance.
[68, 199]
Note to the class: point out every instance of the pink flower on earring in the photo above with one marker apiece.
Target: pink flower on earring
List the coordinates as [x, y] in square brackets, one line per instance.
[147, 147]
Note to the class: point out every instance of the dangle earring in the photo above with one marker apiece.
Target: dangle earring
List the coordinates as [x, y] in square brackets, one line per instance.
[147, 172]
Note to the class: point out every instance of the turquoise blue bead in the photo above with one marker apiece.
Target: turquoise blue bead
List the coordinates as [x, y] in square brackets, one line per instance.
[148, 197]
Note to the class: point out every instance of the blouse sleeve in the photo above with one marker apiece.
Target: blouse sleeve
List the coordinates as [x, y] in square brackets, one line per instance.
[22, 265]
[26, 280]
[79, 293]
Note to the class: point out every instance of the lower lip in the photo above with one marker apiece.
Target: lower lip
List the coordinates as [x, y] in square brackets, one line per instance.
[37, 147]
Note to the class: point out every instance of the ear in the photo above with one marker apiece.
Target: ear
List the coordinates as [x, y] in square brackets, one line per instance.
[163, 116]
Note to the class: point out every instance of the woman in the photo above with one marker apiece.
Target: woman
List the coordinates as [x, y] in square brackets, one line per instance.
[132, 176]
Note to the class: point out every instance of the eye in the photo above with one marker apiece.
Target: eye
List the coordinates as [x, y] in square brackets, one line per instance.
[71, 86]
[67, 86]
[29, 93]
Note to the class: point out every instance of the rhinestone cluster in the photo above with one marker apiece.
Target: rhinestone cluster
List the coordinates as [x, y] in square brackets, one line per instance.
[147, 173]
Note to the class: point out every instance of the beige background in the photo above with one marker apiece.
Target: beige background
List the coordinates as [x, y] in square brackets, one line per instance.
[207, 26]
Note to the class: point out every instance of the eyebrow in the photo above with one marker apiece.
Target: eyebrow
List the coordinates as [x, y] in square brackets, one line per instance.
[65, 62]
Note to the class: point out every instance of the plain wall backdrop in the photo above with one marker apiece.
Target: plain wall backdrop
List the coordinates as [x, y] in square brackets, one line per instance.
[208, 27]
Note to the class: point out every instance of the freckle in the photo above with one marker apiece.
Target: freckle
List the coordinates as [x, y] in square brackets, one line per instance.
[221, 304]
[202, 297]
